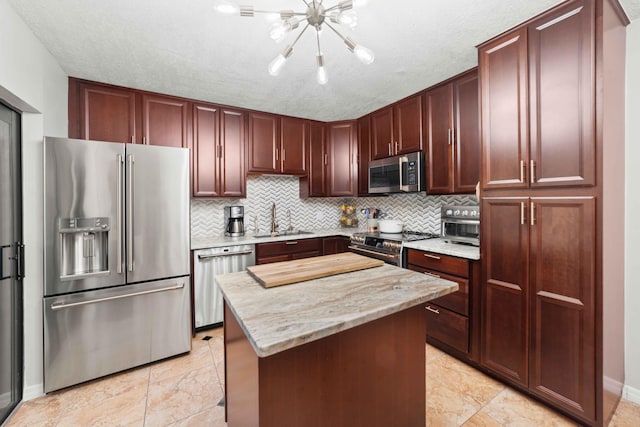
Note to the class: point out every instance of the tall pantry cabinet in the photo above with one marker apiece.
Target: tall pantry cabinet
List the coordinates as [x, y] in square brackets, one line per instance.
[552, 232]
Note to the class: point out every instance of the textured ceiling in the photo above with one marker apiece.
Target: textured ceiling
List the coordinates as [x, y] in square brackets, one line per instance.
[184, 48]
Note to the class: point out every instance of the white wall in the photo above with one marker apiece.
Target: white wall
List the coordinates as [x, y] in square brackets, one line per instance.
[632, 273]
[30, 76]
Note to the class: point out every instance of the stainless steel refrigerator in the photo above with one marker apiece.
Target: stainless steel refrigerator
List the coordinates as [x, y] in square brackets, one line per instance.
[116, 288]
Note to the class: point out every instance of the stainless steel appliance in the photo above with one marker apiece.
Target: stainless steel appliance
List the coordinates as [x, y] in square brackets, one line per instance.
[116, 233]
[397, 174]
[234, 221]
[209, 263]
[385, 246]
[461, 224]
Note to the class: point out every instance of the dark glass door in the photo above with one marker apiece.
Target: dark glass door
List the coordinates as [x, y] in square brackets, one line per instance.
[11, 265]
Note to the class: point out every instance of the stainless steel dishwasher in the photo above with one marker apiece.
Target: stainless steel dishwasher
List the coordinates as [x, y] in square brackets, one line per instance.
[209, 263]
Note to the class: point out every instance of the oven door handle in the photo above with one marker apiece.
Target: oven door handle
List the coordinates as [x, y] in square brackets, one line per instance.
[378, 254]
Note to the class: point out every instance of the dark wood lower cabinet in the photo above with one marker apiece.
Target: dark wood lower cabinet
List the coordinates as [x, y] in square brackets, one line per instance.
[335, 245]
[288, 250]
[369, 375]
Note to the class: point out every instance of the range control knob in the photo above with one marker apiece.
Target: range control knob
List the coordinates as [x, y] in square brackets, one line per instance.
[465, 213]
[449, 212]
[456, 212]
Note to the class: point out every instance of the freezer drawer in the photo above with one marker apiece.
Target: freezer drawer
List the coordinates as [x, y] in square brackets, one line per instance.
[91, 334]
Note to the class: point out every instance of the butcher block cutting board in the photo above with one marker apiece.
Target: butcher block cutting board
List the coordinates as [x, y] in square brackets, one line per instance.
[287, 272]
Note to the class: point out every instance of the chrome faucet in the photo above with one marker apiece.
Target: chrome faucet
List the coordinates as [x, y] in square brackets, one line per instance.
[274, 224]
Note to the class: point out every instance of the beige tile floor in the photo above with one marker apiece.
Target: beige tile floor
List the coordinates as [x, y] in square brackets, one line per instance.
[185, 391]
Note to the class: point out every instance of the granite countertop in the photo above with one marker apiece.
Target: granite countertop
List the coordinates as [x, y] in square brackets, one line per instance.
[283, 317]
[249, 238]
[440, 246]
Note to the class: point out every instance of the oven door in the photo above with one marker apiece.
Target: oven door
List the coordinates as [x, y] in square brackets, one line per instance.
[389, 258]
[461, 231]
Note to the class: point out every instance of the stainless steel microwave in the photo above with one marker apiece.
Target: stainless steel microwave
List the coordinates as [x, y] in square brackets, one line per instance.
[397, 174]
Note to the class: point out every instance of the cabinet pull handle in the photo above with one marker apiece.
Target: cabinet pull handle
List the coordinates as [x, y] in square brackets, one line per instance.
[431, 256]
[533, 213]
[449, 136]
[532, 171]
[432, 275]
[291, 243]
[218, 151]
[132, 139]
[144, 140]
[433, 310]
[522, 170]
[523, 220]
[397, 147]
[276, 154]
[326, 157]
[390, 149]
[284, 155]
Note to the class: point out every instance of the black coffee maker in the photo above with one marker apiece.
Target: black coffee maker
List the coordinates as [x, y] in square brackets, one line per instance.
[234, 221]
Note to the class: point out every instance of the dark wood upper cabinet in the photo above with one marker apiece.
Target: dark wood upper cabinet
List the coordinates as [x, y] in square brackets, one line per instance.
[294, 136]
[103, 113]
[382, 133]
[264, 143]
[453, 136]
[439, 125]
[314, 185]
[503, 85]
[364, 154]
[505, 288]
[342, 149]
[165, 121]
[218, 152]
[562, 97]
[206, 151]
[466, 153]
[408, 125]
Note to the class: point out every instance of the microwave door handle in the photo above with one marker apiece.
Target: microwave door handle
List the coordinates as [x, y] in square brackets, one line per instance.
[402, 160]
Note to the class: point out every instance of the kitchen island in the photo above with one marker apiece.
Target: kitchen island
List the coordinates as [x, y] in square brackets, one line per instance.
[343, 350]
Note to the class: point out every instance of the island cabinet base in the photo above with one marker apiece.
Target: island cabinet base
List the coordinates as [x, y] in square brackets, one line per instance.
[369, 375]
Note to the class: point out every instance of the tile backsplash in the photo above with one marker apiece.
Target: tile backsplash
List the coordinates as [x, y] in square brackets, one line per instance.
[418, 211]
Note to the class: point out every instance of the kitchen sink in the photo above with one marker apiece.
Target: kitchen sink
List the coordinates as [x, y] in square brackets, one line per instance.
[283, 233]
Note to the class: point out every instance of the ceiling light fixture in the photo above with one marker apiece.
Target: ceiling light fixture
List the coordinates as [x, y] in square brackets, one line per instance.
[316, 15]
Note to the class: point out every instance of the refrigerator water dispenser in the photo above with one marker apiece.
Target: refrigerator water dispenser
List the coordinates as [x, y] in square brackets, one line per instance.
[84, 247]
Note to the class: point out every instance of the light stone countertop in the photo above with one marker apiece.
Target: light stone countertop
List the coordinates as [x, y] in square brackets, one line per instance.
[249, 238]
[283, 317]
[441, 247]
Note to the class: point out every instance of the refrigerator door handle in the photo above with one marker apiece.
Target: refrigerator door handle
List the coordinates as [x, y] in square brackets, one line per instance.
[60, 306]
[130, 260]
[2, 276]
[120, 190]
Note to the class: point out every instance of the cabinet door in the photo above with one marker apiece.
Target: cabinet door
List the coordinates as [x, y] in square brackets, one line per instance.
[503, 90]
[318, 159]
[439, 140]
[206, 151]
[382, 133]
[342, 168]
[264, 142]
[504, 286]
[106, 114]
[294, 135]
[233, 143]
[408, 125]
[563, 271]
[466, 156]
[364, 154]
[562, 97]
[165, 121]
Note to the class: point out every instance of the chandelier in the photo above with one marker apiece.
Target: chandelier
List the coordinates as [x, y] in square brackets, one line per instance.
[315, 16]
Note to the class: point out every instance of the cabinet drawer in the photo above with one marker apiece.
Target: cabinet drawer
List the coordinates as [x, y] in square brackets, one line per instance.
[443, 263]
[448, 327]
[288, 247]
[457, 301]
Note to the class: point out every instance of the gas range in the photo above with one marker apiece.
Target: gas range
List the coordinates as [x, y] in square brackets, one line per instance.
[385, 246]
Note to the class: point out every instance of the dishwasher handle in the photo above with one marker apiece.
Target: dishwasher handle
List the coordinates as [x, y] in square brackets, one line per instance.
[225, 254]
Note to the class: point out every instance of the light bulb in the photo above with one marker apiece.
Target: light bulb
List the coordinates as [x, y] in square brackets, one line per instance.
[348, 17]
[321, 76]
[226, 7]
[276, 65]
[364, 54]
[278, 31]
